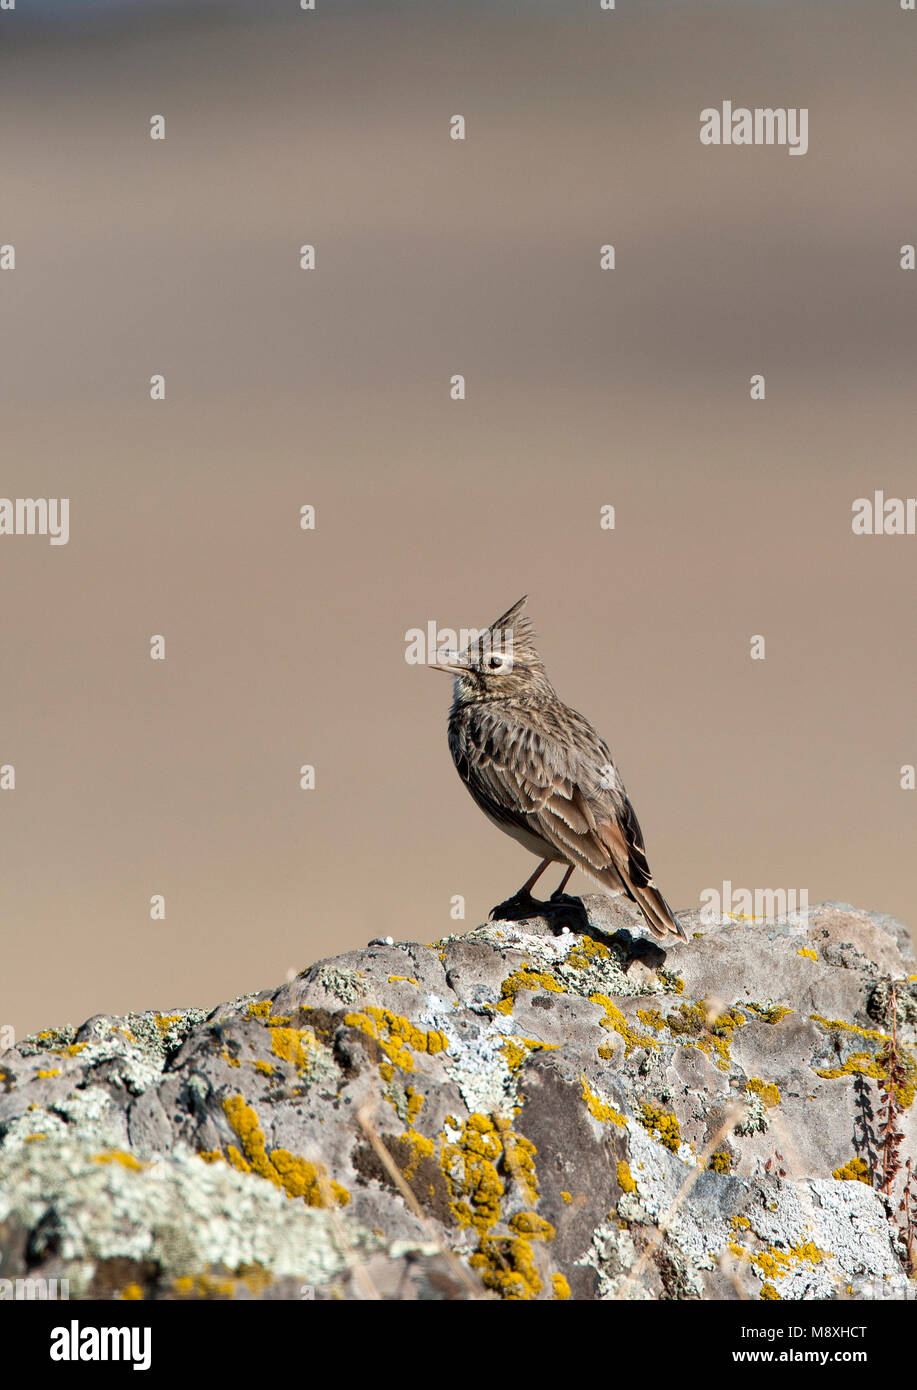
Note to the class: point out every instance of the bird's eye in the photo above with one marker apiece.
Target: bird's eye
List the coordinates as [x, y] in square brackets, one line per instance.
[495, 663]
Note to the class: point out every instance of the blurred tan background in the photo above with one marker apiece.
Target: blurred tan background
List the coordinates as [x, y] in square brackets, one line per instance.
[331, 387]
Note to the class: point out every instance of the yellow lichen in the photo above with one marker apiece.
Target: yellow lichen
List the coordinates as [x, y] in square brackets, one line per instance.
[165, 1021]
[585, 952]
[652, 1018]
[775, 1263]
[262, 1012]
[560, 1286]
[600, 1109]
[406, 1104]
[519, 1158]
[127, 1160]
[525, 978]
[204, 1286]
[408, 980]
[397, 1036]
[839, 1026]
[854, 1170]
[625, 1176]
[768, 1093]
[297, 1176]
[419, 1147]
[507, 1265]
[415, 1104]
[469, 1165]
[567, 1196]
[244, 1123]
[44, 1075]
[294, 1045]
[807, 951]
[528, 1223]
[721, 1162]
[769, 1292]
[702, 1026]
[857, 1064]
[255, 1278]
[876, 1066]
[662, 1124]
[229, 1059]
[131, 1293]
[615, 1021]
[904, 1090]
[515, 1050]
[771, 1013]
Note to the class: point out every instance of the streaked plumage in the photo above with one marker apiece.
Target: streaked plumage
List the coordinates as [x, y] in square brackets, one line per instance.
[539, 770]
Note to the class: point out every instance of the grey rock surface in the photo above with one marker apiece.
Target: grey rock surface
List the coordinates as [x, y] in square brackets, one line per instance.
[523, 1111]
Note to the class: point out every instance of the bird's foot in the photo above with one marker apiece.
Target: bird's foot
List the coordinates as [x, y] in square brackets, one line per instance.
[517, 908]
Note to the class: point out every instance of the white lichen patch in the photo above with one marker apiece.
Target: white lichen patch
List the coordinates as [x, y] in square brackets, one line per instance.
[160, 1034]
[823, 1235]
[100, 1122]
[184, 1215]
[136, 1062]
[754, 1115]
[346, 985]
[613, 1255]
[475, 1059]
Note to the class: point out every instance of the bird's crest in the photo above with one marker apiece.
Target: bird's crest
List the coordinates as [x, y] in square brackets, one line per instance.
[513, 633]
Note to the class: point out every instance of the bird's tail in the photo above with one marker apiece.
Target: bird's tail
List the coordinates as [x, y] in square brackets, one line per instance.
[660, 918]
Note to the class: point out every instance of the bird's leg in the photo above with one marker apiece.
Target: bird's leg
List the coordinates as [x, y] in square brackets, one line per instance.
[559, 890]
[521, 903]
[567, 913]
[526, 890]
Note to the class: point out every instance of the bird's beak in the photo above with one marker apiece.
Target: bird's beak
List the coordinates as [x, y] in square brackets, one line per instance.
[449, 661]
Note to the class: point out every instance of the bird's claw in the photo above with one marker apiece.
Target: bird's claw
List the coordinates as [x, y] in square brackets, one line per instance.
[516, 909]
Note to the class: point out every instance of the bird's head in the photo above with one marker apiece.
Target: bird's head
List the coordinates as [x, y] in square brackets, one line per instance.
[502, 663]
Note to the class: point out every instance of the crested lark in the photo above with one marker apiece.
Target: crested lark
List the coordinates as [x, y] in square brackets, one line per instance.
[540, 772]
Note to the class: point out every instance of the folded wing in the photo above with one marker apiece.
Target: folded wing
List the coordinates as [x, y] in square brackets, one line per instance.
[565, 792]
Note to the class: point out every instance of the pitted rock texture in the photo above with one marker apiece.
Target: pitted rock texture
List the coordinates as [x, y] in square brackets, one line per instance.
[523, 1112]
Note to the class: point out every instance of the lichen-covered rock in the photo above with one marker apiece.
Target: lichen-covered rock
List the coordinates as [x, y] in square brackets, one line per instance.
[524, 1112]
